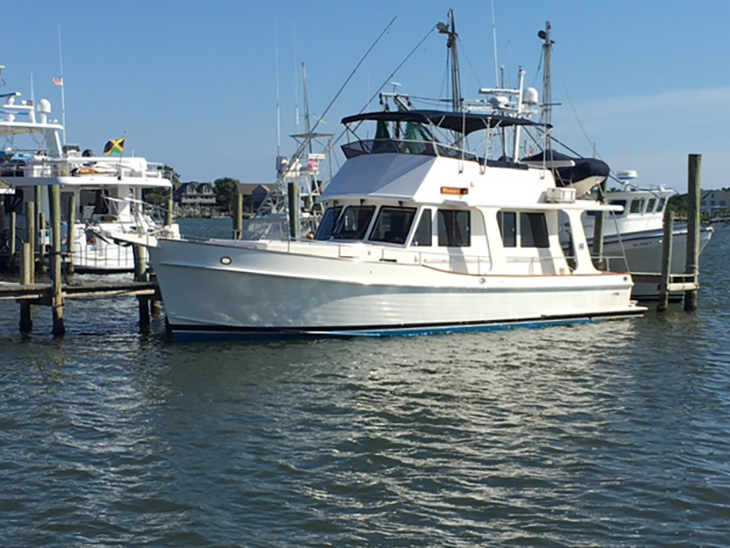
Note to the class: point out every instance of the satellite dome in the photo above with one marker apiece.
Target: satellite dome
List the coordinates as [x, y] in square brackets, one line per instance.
[530, 96]
[44, 106]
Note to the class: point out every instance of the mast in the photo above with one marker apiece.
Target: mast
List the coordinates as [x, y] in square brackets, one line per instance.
[450, 31]
[547, 48]
[307, 125]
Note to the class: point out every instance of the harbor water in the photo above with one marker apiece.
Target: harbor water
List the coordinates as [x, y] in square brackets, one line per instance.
[607, 434]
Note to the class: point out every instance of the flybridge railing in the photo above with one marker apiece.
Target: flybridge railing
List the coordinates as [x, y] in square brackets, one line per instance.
[47, 166]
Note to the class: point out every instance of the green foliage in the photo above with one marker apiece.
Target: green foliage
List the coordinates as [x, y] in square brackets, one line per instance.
[678, 204]
[169, 173]
[225, 189]
[155, 196]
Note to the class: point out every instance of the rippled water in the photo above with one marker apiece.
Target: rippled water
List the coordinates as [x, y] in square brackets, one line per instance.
[607, 434]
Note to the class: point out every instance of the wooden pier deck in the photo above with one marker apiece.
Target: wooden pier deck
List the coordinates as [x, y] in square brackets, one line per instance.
[39, 293]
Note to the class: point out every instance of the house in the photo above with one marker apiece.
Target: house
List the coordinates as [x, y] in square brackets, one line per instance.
[195, 199]
[253, 195]
[713, 202]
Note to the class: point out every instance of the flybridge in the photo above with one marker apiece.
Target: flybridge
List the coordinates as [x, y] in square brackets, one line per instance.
[462, 122]
[412, 132]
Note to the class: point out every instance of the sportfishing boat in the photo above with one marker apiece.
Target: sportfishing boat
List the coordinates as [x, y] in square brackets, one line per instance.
[632, 238]
[106, 190]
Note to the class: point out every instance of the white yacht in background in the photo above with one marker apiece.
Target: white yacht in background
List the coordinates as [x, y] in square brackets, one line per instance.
[633, 237]
[107, 189]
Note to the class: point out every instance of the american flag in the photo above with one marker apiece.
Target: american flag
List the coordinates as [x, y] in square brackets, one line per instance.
[58, 80]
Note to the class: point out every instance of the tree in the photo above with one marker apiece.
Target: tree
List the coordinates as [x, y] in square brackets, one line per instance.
[158, 196]
[225, 189]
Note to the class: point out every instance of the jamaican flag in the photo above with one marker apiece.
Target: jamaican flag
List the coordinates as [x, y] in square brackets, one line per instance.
[114, 147]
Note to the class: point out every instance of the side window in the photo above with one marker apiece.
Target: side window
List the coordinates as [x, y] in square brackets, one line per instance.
[650, 205]
[637, 206]
[662, 203]
[393, 224]
[454, 228]
[533, 230]
[324, 232]
[353, 223]
[422, 237]
[507, 221]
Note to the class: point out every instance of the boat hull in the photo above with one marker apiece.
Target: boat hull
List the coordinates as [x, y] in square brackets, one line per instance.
[213, 291]
[643, 254]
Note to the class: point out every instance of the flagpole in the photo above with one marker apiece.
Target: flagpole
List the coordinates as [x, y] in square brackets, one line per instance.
[63, 85]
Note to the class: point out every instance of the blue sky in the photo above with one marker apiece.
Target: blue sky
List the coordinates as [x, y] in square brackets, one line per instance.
[194, 84]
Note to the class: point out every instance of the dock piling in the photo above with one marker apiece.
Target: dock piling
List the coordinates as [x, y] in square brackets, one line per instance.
[168, 209]
[666, 260]
[71, 238]
[140, 275]
[293, 196]
[693, 228]
[238, 216]
[56, 263]
[26, 260]
[30, 235]
[13, 235]
[41, 243]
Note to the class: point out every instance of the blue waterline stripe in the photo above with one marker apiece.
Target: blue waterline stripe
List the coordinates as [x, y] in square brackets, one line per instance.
[185, 333]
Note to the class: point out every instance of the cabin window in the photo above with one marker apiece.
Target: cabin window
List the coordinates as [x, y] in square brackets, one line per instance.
[637, 206]
[662, 203]
[353, 223]
[393, 224]
[650, 205]
[533, 230]
[422, 237]
[324, 232]
[507, 221]
[454, 228]
[621, 203]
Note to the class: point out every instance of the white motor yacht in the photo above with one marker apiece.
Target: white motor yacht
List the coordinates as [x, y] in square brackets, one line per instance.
[107, 189]
[418, 236]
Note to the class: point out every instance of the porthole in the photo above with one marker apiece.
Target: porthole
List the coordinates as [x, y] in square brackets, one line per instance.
[225, 260]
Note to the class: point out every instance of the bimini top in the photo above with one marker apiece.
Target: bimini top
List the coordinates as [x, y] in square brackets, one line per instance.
[462, 122]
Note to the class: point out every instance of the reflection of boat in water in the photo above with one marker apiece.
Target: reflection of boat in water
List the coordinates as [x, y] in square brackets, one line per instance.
[633, 237]
[106, 191]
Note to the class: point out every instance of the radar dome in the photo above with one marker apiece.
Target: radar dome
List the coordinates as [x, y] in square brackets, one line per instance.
[530, 97]
[44, 106]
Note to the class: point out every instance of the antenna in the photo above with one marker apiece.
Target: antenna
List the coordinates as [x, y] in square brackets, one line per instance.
[494, 39]
[296, 77]
[278, 108]
[63, 92]
[307, 127]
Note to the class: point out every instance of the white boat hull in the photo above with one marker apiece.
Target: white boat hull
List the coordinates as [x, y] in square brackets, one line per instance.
[271, 292]
[643, 254]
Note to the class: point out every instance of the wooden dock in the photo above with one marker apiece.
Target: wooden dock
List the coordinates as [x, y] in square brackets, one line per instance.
[677, 282]
[40, 294]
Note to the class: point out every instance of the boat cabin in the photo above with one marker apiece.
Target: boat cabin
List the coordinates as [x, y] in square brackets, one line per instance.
[463, 211]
